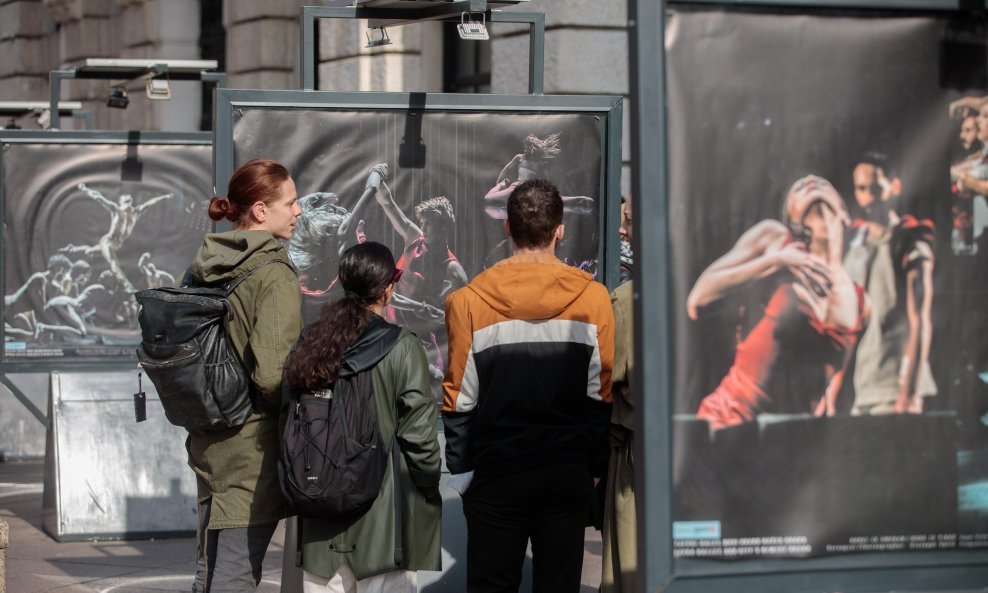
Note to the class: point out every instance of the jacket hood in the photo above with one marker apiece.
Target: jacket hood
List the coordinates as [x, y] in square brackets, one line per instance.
[530, 287]
[370, 347]
[223, 256]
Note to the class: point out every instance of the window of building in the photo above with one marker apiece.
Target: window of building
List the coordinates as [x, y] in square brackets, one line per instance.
[466, 64]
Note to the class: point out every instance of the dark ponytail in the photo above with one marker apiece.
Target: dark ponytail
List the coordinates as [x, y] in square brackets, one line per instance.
[366, 270]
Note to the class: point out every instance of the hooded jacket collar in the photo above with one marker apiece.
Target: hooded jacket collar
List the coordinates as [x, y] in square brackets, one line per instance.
[370, 347]
[530, 286]
[224, 256]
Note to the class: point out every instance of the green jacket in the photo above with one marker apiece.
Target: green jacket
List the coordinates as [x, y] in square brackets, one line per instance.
[623, 412]
[238, 467]
[401, 395]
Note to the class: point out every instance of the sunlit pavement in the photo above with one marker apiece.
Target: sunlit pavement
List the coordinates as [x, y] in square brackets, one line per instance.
[37, 563]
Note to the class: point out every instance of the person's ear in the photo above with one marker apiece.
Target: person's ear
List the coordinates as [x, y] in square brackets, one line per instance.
[559, 233]
[507, 229]
[259, 211]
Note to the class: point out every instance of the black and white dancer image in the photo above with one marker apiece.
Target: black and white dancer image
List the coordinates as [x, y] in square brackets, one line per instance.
[532, 163]
[66, 294]
[123, 217]
[154, 276]
[325, 230]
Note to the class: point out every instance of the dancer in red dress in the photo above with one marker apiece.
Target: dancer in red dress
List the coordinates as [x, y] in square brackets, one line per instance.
[793, 360]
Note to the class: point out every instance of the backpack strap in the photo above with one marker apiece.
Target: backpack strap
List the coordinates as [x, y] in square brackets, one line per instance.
[233, 284]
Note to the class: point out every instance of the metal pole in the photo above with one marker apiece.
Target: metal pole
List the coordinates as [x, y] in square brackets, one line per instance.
[651, 379]
[25, 401]
[536, 44]
[55, 95]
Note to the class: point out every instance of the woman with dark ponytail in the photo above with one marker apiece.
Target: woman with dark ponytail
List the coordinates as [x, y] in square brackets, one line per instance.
[349, 337]
[240, 500]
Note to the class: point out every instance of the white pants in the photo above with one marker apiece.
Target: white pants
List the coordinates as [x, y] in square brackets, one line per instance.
[397, 581]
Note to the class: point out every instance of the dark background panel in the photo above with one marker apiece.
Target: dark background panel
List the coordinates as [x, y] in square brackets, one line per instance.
[457, 155]
[47, 215]
[758, 98]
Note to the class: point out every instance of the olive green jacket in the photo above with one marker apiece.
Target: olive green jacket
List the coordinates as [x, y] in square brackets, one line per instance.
[623, 412]
[238, 467]
[401, 395]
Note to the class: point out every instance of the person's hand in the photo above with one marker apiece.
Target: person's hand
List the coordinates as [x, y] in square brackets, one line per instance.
[361, 236]
[908, 405]
[809, 270]
[965, 104]
[824, 407]
[434, 313]
[378, 174]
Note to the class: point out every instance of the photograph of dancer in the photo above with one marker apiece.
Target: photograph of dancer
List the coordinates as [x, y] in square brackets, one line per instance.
[324, 231]
[892, 257]
[83, 232]
[794, 359]
[969, 176]
[532, 163]
[430, 273]
[123, 217]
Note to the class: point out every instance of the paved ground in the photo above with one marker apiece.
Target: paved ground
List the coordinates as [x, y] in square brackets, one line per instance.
[36, 563]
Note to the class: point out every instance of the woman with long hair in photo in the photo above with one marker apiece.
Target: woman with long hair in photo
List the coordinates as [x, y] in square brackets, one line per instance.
[350, 336]
[794, 358]
[532, 163]
[240, 501]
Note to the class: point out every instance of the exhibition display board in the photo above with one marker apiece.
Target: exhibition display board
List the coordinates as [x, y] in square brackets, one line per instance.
[428, 176]
[89, 218]
[814, 298]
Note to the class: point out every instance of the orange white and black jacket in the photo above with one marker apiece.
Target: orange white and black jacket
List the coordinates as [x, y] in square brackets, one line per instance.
[528, 381]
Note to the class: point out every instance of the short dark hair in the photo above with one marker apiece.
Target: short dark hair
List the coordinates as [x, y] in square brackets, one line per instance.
[880, 160]
[535, 209]
[437, 209]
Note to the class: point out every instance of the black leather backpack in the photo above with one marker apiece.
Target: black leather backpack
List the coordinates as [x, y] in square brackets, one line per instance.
[186, 352]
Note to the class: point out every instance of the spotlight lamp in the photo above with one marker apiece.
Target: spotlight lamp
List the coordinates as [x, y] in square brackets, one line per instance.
[118, 98]
[471, 29]
[158, 89]
[44, 118]
[379, 41]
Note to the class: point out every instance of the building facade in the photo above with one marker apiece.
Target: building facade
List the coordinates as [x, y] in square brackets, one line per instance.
[257, 43]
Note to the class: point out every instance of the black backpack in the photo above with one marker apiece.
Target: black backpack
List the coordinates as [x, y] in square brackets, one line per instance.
[187, 353]
[333, 458]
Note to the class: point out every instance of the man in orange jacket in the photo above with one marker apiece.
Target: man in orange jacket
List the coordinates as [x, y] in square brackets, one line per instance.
[526, 402]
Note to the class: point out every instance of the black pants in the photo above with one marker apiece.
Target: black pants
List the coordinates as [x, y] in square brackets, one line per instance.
[548, 505]
[229, 560]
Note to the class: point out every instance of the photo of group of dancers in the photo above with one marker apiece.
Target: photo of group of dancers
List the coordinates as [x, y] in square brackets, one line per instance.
[445, 218]
[79, 245]
[108, 237]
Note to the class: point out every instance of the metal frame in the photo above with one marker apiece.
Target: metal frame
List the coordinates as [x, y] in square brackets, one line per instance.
[76, 137]
[657, 569]
[443, 11]
[123, 69]
[18, 109]
[229, 101]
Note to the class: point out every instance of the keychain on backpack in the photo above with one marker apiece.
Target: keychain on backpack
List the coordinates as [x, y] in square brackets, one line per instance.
[140, 401]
